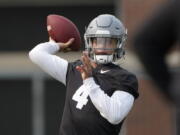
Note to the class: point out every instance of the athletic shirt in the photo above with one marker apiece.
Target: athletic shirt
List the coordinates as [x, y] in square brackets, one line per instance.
[88, 121]
[94, 106]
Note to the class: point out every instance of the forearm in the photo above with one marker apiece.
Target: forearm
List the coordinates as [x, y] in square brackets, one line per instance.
[114, 108]
[43, 56]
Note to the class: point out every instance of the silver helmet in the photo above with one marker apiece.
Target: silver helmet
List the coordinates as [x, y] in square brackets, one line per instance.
[105, 26]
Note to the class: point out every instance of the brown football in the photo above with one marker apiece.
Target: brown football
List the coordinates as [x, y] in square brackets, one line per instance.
[61, 29]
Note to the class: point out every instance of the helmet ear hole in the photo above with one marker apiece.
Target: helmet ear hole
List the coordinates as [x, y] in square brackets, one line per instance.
[123, 53]
[120, 53]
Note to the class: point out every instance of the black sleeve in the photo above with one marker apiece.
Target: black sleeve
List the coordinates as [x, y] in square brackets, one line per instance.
[124, 80]
[129, 83]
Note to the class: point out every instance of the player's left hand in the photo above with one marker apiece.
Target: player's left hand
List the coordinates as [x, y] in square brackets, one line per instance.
[86, 68]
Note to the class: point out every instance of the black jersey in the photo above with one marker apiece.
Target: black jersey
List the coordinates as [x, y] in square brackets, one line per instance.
[88, 120]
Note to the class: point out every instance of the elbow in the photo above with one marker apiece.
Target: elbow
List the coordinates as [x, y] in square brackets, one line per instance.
[32, 54]
[115, 120]
[35, 52]
[35, 56]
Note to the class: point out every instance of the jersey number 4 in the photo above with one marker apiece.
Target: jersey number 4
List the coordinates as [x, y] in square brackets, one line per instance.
[81, 97]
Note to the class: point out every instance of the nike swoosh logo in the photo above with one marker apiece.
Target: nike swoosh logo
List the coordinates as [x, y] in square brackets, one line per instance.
[104, 71]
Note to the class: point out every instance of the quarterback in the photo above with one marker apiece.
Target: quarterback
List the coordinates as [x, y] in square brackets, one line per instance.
[99, 93]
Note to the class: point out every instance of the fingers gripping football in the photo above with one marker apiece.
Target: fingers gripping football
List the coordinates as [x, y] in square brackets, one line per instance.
[65, 47]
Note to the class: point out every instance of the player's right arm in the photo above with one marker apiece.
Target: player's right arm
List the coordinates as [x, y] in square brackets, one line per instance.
[44, 56]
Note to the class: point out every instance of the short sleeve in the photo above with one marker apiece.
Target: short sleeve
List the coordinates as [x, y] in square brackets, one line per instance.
[129, 83]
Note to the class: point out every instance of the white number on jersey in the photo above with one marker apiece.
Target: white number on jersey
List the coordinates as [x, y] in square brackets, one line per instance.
[81, 97]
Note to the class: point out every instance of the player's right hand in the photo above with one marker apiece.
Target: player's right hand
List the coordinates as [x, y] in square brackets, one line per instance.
[65, 47]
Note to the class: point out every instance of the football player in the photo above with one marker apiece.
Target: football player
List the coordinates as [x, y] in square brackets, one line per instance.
[100, 93]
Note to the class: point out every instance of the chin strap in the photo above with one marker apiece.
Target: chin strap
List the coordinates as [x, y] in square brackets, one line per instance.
[103, 59]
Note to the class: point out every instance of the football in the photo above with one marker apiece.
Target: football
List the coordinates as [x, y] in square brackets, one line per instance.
[61, 29]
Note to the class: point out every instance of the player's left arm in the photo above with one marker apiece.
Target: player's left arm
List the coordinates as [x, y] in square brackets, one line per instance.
[114, 108]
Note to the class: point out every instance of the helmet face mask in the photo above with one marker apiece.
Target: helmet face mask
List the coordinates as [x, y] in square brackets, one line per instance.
[103, 45]
[104, 39]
